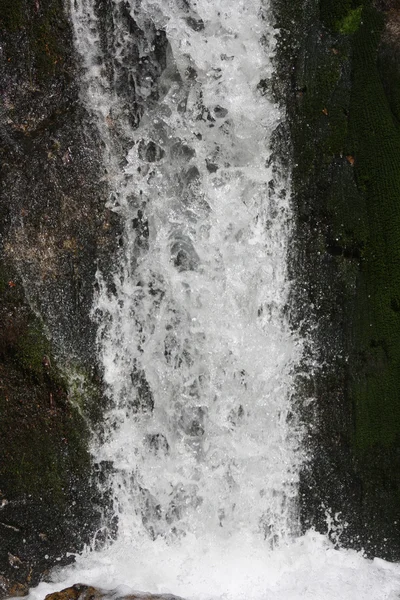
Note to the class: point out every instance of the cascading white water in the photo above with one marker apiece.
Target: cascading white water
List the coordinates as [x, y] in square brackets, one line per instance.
[193, 334]
[197, 351]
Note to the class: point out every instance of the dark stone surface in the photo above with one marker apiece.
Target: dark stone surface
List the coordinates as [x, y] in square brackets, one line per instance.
[48, 503]
[340, 82]
[54, 233]
[56, 229]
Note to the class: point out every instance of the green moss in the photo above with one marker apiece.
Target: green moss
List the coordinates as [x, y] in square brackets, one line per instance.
[363, 215]
[342, 16]
[46, 447]
[351, 22]
[388, 66]
[321, 85]
[344, 123]
[319, 112]
[346, 208]
[360, 206]
[32, 347]
[333, 12]
[43, 438]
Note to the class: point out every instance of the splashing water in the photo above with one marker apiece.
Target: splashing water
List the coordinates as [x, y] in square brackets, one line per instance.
[198, 354]
[196, 348]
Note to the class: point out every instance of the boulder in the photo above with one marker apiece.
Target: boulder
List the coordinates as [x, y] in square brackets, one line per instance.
[81, 591]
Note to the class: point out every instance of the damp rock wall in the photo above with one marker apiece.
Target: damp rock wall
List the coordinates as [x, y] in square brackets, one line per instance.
[55, 231]
[341, 84]
[338, 73]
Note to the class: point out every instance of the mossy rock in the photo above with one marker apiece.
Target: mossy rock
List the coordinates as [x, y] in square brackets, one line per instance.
[48, 498]
[50, 249]
[376, 140]
[351, 22]
[346, 186]
[342, 16]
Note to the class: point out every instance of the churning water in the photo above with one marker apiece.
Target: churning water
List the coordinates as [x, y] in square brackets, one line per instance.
[198, 354]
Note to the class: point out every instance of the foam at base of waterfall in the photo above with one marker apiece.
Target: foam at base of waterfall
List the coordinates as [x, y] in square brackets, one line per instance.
[239, 568]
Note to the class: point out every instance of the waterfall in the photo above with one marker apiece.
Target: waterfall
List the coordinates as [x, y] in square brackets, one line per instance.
[196, 346]
[194, 337]
[193, 328]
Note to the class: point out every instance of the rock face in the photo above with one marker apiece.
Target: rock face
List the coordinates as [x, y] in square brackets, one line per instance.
[56, 228]
[80, 591]
[54, 232]
[341, 84]
[44, 460]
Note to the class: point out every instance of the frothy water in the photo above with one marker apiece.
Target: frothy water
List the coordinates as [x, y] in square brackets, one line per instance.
[309, 568]
[197, 351]
[199, 357]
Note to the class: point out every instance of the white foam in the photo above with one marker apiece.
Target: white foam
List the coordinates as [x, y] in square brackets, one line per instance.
[309, 568]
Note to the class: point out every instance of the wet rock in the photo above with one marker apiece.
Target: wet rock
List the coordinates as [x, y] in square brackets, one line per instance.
[347, 257]
[191, 73]
[80, 591]
[157, 443]
[150, 151]
[14, 561]
[53, 228]
[192, 421]
[12, 588]
[196, 24]
[190, 177]
[183, 254]
[76, 592]
[44, 511]
[182, 152]
[144, 400]
[211, 167]
[54, 224]
[220, 112]
[141, 225]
